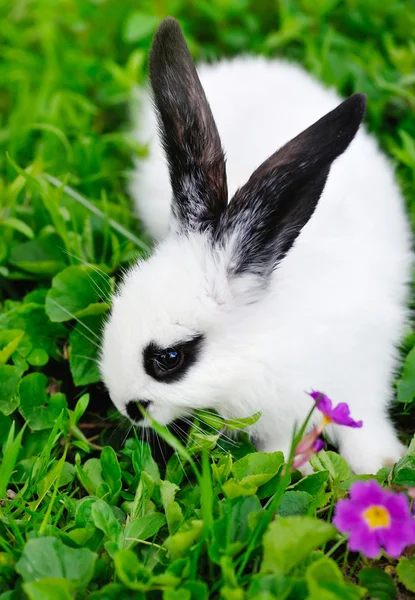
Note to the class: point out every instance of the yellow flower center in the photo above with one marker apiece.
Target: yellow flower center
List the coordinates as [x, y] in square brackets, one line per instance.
[377, 517]
[326, 420]
[323, 424]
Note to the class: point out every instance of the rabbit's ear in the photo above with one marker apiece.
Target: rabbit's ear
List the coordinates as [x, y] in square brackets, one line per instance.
[266, 215]
[188, 132]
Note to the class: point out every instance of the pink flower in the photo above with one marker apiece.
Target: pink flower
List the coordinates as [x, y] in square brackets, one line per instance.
[375, 518]
[340, 414]
[309, 445]
[411, 492]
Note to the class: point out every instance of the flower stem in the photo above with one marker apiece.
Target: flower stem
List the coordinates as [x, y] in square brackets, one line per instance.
[336, 545]
[273, 503]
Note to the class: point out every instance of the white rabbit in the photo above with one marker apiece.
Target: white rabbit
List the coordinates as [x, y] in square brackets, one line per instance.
[300, 282]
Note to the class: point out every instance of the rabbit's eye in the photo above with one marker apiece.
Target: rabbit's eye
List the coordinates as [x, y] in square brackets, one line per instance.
[163, 364]
[170, 364]
[172, 358]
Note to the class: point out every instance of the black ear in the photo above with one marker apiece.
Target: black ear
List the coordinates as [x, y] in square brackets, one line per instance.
[266, 215]
[188, 132]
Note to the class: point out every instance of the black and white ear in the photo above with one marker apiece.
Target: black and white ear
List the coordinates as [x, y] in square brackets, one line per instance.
[266, 215]
[188, 132]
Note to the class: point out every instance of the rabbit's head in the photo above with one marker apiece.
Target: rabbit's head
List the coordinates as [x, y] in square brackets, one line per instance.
[179, 335]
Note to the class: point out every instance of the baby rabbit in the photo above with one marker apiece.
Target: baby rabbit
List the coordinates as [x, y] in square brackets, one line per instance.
[298, 282]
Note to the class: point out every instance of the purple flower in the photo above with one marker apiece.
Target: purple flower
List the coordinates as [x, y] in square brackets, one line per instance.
[375, 518]
[309, 445]
[340, 414]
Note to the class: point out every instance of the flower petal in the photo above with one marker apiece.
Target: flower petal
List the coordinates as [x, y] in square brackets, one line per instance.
[367, 493]
[316, 395]
[346, 517]
[318, 445]
[365, 541]
[398, 506]
[341, 416]
[324, 404]
[307, 442]
[398, 537]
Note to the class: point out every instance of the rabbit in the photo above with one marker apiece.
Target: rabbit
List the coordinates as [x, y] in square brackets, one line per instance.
[300, 281]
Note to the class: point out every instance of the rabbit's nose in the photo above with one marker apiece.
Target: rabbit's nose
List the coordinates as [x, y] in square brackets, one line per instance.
[133, 409]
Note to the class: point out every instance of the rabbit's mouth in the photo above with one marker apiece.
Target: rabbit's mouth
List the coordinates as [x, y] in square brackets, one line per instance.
[138, 411]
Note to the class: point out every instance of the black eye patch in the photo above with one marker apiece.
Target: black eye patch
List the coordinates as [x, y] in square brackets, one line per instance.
[171, 364]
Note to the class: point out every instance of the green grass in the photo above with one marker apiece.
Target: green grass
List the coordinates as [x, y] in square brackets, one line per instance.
[86, 511]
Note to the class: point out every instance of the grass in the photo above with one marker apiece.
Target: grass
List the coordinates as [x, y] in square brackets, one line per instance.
[86, 510]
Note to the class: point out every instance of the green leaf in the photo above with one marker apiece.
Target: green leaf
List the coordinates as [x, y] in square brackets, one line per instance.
[325, 582]
[67, 475]
[105, 520]
[111, 472]
[269, 587]
[313, 484]
[11, 451]
[9, 384]
[222, 469]
[18, 225]
[37, 357]
[228, 593]
[411, 448]
[177, 594]
[237, 424]
[174, 469]
[83, 358]
[81, 407]
[233, 489]
[48, 557]
[37, 296]
[39, 330]
[130, 571]
[406, 384]
[324, 569]
[5, 424]
[90, 475]
[9, 342]
[294, 503]
[232, 530]
[198, 589]
[258, 467]
[143, 528]
[251, 471]
[403, 473]
[49, 588]
[73, 291]
[83, 514]
[213, 420]
[7, 564]
[39, 408]
[116, 591]
[379, 584]
[39, 257]
[290, 540]
[406, 572]
[172, 509]
[180, 543]
[332, 462]
[198, 442]
[144, 461]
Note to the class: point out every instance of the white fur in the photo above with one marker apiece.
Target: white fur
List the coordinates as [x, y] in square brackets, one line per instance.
[336, 307]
